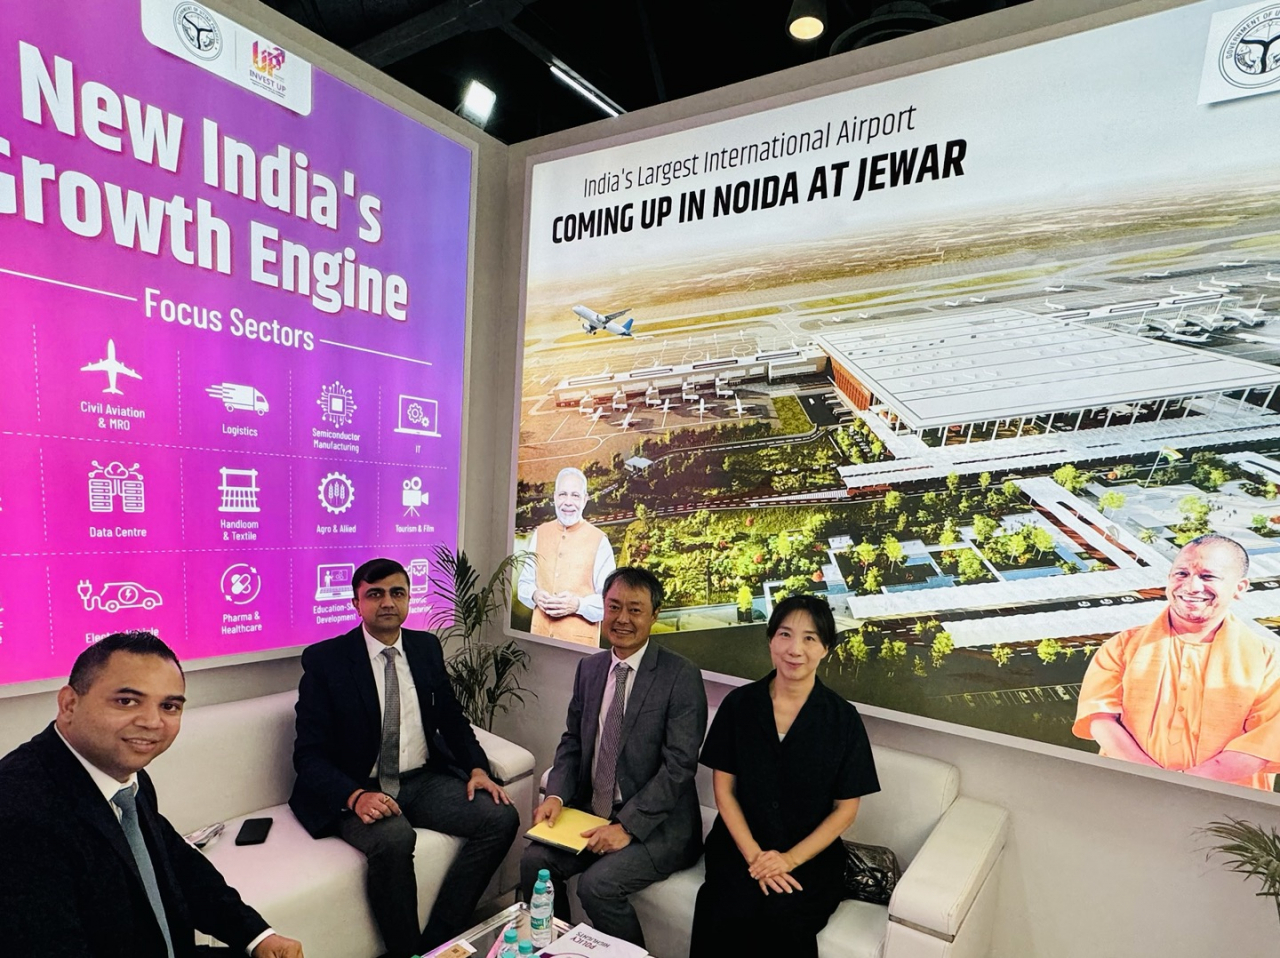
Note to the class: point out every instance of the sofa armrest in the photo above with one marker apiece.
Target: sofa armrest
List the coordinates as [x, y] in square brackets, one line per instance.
[509, 761]
[938, 888]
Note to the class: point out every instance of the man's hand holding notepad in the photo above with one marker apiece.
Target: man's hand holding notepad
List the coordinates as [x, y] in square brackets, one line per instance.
[567, 831]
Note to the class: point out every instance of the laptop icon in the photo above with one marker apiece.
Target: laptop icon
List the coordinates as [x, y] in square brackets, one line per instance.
[418, 416]
[333, 581]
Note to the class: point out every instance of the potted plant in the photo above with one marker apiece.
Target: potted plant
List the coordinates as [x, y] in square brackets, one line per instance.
[485, 676]
[1249, 850]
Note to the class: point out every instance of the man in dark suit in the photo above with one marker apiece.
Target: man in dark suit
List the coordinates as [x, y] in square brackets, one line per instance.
[88, 867]
[383, 746]
[629, 753]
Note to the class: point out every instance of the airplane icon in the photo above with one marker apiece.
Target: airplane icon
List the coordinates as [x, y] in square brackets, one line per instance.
[593, 322]
[112, 367]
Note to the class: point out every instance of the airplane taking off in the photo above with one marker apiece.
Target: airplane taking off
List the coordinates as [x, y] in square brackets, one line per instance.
[112, 367]
[593, 322]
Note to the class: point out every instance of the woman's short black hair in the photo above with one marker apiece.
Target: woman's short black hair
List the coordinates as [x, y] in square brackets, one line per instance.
[824, 622]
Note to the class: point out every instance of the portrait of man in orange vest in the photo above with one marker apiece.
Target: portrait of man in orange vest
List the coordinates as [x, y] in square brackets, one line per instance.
[572, 558]
[1197, 690]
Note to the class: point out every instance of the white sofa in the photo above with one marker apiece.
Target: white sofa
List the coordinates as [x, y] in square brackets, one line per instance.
[235, 761]
[949, 848]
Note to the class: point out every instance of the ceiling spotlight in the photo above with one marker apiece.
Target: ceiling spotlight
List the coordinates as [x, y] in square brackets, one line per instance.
[477, 103]
[807, 19]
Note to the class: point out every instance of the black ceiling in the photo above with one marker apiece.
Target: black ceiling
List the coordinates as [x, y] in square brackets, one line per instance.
[636, 52]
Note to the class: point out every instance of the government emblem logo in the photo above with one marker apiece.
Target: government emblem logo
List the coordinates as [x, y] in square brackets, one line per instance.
[198, 30]
[1250, 55]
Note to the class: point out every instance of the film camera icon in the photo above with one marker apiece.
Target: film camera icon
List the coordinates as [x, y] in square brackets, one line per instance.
[412, 497]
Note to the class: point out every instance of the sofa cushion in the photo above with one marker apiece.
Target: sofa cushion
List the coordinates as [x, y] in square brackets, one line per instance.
[914, 793]
[315, 888]
[229, 759]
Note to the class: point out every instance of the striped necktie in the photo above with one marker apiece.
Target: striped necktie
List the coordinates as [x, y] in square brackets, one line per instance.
[605, 778]
[389, 756]
[127, 803]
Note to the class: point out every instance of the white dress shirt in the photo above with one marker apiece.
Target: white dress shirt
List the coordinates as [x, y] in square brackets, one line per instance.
[413, 737]
[108, 786]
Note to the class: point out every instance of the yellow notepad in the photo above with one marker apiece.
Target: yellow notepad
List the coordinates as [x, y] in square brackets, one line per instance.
[568, 829]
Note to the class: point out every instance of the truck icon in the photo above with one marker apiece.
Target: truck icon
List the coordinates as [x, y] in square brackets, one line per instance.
[114, 596]
[235, 396]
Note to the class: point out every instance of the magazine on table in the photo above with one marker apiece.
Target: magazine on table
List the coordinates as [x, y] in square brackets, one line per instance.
[583, 941]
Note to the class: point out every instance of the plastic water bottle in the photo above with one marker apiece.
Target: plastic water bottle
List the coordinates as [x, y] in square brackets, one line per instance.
[510, 944]
[544, 876]
[526, 948]
[540, 916]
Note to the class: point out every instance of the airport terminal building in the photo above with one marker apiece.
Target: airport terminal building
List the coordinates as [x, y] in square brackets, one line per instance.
[1001, 371]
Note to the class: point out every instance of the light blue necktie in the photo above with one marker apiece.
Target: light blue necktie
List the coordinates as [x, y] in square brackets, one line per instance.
[127, 803]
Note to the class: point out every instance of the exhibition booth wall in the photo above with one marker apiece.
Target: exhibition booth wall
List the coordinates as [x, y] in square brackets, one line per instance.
[1100, 861]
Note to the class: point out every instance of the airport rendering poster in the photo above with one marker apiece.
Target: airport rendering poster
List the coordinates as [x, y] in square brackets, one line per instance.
[970, 353]
[234, 293]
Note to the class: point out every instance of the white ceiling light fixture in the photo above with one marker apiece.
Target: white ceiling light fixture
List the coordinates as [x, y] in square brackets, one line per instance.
[807, 19]
[585, 89]
[477, 103]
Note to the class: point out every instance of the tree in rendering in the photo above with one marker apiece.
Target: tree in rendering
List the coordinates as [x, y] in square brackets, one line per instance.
[1111, 500]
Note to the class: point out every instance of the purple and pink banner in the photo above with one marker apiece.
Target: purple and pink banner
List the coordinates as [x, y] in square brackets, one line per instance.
[233, 300]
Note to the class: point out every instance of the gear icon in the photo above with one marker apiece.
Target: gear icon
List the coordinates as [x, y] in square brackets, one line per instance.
[337, 493]
[415, 413]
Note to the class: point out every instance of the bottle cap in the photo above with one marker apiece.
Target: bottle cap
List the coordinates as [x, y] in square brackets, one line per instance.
[540, 888]
[509, 936]
[544, 875]
[526, 947]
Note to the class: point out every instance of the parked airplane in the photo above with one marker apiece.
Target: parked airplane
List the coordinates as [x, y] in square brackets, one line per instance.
[1243, 262]
[593, 322]
[112, 367]
[626, 421]
[595, 416]
[702, 408]
[738, 407]
[1224, 282]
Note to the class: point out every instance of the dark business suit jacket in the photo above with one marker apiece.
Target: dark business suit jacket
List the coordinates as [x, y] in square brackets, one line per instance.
[662, 731]
[69, 886]
[339, 723]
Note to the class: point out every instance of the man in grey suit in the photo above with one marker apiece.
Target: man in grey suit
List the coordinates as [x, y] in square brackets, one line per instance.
[629, 753]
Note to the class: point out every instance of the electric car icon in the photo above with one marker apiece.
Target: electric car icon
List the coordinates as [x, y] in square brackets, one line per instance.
[114, 596]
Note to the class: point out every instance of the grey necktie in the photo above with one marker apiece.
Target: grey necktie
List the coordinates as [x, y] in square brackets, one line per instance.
[602, 783]
[125, 801]
[389, 756]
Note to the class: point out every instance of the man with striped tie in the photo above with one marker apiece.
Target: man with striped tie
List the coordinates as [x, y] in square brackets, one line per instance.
[88, 867]
[382, 747]
[629, 753]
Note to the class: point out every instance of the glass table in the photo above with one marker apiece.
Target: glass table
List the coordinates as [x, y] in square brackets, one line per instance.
[485, 936]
